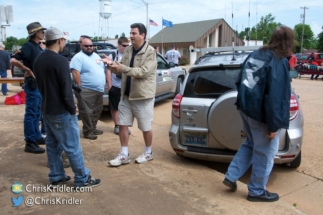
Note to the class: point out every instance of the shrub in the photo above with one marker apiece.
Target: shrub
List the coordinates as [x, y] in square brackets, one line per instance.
[183, 60]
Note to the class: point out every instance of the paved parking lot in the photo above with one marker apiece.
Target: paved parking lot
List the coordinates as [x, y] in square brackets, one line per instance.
[169, 184]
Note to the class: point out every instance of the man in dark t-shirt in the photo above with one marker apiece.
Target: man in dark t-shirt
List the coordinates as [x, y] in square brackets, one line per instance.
[4, 66]
[27, 54]
[58, 109]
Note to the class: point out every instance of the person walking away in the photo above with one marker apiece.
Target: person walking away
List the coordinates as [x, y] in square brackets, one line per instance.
[4, 66]
[263, 101]
[173, 55]
[88, 72]
[27, 54]
[114, 83]
[59, 112]
[138, 68]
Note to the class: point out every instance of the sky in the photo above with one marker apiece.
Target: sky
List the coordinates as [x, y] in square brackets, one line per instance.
[80, 17]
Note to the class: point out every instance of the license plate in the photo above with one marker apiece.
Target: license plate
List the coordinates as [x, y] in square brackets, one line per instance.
[195, 138]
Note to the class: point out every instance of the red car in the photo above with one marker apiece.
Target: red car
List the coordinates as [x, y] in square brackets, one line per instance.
[318, 58]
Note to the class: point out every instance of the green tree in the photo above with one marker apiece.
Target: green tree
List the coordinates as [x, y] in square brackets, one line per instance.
[266, 27]
[116, 36]
[320, 42]
[308, 39]
[122, 35]
[262, 31]
[22, 41]
[10, 42]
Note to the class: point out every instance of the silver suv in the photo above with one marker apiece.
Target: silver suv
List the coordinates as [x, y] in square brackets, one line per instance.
[169, 79]
[206, 124]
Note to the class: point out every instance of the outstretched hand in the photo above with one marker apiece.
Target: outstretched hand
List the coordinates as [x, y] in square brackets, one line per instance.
[106, 59]
[115, 67]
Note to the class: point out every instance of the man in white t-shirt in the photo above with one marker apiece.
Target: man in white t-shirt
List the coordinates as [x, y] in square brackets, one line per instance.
[173, 55]
[114, 83]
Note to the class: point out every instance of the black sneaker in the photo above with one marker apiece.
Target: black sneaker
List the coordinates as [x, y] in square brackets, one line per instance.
[41, 141]
[32, 147]
[91, 182]
[265, 197]
[230, 184]
[90, 136]
[60, 182]
[97, 132]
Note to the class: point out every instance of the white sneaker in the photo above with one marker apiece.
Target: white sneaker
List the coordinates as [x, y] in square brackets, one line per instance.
[120, 159]
[144, 157]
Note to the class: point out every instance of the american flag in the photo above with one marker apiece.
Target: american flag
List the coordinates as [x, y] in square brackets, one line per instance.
[151, 22]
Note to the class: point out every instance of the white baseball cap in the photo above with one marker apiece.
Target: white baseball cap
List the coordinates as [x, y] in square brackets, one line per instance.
[54, 34]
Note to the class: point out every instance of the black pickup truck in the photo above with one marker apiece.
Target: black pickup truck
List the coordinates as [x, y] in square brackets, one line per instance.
[69, 51]
[72, 48]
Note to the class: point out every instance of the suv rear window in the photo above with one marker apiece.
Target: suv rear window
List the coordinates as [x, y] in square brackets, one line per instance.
[211, 83]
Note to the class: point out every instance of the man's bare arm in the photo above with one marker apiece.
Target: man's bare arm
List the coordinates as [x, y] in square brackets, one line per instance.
[18, 63]
[76, 77]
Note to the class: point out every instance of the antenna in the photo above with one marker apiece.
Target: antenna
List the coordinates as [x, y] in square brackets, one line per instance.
[232, 26]
[233, 57]
[248, 25]
[225, 19]
[256, 22]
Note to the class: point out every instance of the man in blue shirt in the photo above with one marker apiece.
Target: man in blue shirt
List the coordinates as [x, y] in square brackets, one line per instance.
[89, 74]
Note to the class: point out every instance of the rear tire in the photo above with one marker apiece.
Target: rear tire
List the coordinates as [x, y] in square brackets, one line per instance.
[179, 85]
[297, 161]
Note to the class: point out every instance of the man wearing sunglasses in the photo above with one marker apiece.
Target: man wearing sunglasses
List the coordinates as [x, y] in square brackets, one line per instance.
[114, 83]
[79, 45]
[27, 54]
[89, 74]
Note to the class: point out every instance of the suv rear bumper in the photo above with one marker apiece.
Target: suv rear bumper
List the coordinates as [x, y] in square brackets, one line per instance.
[295, 138]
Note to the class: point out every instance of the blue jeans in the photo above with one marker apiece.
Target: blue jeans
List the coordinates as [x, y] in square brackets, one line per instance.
[257, 150]
[42, 128]
[4, 89]
[63, 134]
[32, 113]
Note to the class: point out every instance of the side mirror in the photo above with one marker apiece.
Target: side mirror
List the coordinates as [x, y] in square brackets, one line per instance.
[171, 64]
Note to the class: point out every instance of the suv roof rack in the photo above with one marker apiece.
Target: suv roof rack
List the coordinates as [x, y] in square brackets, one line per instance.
[228, 49]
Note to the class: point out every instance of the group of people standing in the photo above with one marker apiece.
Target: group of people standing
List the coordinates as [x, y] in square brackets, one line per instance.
[48, 86]
[132, 82]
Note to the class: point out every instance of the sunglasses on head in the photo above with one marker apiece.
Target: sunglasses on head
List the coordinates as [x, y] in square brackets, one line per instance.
[42, 43]
[124, 45]
[88, 46]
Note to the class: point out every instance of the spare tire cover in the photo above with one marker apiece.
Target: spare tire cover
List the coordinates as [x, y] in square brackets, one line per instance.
[224, 121]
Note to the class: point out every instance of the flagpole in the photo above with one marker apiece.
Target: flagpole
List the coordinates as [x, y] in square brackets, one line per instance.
[162, 37]
[149, 30]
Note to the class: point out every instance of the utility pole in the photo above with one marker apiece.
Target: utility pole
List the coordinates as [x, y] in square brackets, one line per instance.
[147, 26]
[303, 27]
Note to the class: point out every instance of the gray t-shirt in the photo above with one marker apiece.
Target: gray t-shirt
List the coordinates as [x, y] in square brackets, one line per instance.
[172, 56]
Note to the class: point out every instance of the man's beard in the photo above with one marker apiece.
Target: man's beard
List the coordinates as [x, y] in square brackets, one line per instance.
[89, 53]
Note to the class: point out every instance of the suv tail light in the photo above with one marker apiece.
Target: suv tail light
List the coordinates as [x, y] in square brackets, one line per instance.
[177, 105]
[293, 110]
